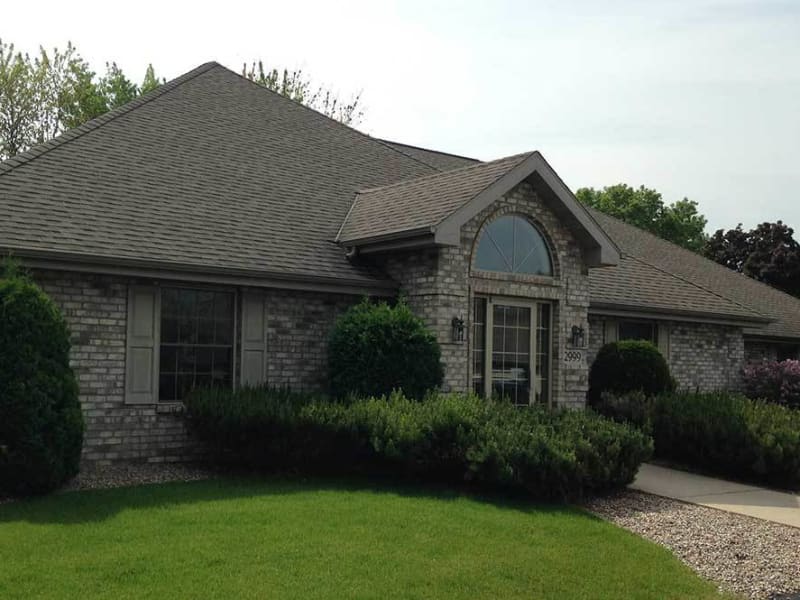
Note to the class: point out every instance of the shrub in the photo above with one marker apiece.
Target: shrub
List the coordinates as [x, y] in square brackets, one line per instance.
[628, 366]
[777, 382]
[377, 348]
[41, 425]
[445, 437]
[722, 433]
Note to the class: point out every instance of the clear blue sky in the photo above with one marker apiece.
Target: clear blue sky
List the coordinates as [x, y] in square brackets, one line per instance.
[695, 98]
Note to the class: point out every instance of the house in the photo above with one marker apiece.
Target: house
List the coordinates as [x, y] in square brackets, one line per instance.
[211, 231]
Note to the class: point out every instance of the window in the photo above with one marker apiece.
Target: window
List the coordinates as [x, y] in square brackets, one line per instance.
[196, 346]
[638, 330]
[511, 349]
[511, 244]
[478, 345]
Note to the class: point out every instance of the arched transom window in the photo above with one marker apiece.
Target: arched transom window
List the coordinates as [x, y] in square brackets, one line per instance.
[511, 244]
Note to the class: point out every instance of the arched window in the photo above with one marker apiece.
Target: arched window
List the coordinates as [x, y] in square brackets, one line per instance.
[510, 244]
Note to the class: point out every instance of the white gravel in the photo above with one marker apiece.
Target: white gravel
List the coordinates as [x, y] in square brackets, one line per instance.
[751, 557]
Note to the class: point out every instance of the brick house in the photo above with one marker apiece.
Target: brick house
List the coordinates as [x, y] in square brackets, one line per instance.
[211, 231]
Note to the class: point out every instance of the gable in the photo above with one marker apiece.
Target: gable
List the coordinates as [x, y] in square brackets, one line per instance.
[434, 208]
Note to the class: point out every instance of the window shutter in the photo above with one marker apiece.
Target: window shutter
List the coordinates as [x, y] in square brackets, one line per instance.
[141, 372]
[610, 332]
[254, 340]
[663, 340]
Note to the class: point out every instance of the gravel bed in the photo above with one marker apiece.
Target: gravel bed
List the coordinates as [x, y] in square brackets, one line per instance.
[757, 559]
[132, 474]
[137, 474]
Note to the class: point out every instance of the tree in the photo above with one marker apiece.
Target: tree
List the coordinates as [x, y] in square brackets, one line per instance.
[150, 82]
[768, 253]
[18, 101]
[296, 86]
[679, 222]
[116, 88]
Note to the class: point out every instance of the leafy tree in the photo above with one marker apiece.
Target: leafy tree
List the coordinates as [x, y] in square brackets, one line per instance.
[768, 253]
[150, 82]
[18, 101]
[116, 88]
[56, 90]
[300, 88]
[679, 222]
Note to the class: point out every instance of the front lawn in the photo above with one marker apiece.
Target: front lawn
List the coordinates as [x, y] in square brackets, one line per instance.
[281, 539]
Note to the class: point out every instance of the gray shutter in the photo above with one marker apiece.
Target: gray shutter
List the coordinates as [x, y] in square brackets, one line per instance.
[663, 340]
[141, 372]
[611, 331]
[254, 340]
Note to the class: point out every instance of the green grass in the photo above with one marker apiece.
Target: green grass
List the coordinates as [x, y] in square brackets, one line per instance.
[282, 539]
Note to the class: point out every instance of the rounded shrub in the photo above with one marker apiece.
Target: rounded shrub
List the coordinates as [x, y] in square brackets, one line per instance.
[377, 348]
[628, 366]
[41, 424]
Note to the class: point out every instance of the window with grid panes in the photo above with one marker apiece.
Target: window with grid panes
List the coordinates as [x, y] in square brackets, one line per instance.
[197, 339]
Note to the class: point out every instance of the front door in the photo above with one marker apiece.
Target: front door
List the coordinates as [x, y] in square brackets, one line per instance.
[511, 352]
[511, 349]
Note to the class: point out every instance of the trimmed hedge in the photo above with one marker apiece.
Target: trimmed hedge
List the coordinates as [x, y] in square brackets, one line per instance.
[452, 438]
[375, 349]
[628, 366]
[721, 433]
[41, 424]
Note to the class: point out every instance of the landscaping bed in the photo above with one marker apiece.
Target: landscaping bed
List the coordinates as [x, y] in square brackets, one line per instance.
[719, 433]
[749, 556]
[454, 438]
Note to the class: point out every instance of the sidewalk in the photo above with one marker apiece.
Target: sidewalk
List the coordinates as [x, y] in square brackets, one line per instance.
[779, 507]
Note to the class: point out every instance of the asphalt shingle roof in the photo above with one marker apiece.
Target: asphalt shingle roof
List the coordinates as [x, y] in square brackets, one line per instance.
[688, 269]
[211, 171]
[420, 203]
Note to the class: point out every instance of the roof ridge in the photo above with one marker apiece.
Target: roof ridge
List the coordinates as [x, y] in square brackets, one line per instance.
[338, 123]
[698, 255]
[430, 150]
[447, 172]
[72, 134]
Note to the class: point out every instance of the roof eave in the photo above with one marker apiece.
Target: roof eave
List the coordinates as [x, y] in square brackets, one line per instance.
[75, 262]
[666, 314]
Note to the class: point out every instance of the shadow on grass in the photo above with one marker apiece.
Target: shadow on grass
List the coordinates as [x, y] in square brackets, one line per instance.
[78, 507]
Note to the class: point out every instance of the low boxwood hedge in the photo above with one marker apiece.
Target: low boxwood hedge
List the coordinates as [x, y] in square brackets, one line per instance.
[723, 433]
[445, 437]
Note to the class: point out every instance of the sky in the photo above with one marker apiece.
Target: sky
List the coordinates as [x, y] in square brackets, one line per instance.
[696, 98]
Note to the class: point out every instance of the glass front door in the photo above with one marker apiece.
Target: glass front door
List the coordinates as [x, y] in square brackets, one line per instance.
[511, 350]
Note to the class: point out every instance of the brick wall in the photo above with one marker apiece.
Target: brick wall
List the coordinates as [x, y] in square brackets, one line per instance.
[700, 355]
[95, 307]
[706, 357]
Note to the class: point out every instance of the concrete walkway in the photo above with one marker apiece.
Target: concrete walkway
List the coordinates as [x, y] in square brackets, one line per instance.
[779, 507]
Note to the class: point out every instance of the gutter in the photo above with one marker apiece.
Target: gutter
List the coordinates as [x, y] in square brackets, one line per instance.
[623, 310]
[149, 269]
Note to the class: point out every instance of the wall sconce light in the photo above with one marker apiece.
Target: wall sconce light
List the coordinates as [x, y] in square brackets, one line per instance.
[458, 329]
[578, 336]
